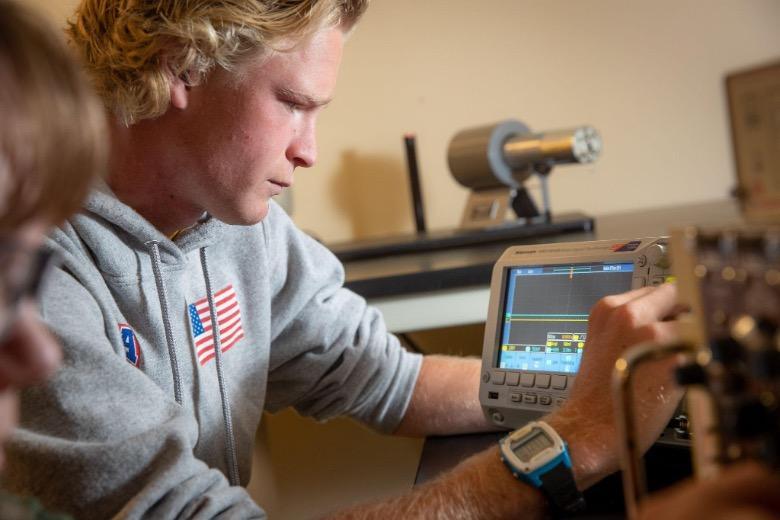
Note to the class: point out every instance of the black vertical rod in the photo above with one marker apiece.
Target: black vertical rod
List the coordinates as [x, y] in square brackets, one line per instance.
[414, 182]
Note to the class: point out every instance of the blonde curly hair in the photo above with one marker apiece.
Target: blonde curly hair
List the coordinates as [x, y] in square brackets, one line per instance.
[131, 48]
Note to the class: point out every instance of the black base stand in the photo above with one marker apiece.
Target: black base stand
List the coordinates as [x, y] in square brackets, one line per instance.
[525, 207]
[447, 239]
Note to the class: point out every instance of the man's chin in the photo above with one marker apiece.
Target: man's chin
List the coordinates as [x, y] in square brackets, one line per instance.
[248, 217]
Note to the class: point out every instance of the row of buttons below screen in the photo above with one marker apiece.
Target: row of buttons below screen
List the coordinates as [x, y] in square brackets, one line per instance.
[557, 382]
[545, 400]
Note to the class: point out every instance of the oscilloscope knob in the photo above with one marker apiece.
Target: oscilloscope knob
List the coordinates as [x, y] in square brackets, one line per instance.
[657, 256]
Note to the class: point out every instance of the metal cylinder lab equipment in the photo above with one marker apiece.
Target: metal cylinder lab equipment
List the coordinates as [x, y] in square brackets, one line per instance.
[489, 160]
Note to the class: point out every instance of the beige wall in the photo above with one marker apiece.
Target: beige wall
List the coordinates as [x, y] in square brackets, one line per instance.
[647, 75]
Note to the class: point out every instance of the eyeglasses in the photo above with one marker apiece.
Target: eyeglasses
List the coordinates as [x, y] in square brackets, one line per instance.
[22, 271]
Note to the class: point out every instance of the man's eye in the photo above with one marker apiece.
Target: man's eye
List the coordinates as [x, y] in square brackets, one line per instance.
[293, 106]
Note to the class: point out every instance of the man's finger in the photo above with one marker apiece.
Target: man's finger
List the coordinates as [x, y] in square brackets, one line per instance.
[661, 332]
[660, 303]
[604, 308]
[648, 308]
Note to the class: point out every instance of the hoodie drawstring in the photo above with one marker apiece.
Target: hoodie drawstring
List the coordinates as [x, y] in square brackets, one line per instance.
[154, 248]
[230, 446]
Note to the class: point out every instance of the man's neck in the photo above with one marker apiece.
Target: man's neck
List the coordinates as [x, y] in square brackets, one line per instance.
[146, 177]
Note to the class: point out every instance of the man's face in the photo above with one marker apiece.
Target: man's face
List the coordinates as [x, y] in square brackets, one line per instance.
[243, 135]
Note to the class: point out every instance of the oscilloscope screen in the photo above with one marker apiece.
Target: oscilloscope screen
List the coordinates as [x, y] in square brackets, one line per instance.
[545, 318]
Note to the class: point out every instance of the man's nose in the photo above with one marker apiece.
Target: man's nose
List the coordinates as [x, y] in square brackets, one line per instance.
[29, 354]
[302, 151]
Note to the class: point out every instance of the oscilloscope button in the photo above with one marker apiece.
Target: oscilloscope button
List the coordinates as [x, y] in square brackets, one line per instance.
[513, 379]
[527, 380]
[486, 377]
[559, 401]
[559, 382]
[498, 378]
[543, 380]
[641, 261]
[516, 397]
[545, 400]
[529, 398]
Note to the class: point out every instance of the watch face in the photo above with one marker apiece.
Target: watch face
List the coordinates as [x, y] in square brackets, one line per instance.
[530, 446]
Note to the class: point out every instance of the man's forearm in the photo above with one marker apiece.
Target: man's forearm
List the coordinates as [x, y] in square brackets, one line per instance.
[481, 487]
[445, 399]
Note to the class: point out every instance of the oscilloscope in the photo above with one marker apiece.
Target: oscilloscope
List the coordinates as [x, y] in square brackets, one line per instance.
[537, 323]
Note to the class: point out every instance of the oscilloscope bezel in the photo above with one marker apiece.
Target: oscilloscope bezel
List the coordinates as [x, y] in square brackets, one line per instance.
[498, 387]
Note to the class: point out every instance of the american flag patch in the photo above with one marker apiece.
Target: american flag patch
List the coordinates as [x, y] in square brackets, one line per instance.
[228, 317]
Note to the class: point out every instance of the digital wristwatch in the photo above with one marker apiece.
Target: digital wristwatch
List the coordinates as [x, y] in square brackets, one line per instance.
[536, 455]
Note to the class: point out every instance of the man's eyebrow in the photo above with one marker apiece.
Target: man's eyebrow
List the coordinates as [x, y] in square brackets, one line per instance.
[301, 98]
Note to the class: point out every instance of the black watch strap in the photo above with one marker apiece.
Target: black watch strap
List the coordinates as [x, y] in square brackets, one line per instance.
[559, 485]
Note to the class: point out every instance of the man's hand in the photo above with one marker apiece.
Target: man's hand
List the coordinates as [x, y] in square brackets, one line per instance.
[587, 421]
[744, 491]
[481, 487]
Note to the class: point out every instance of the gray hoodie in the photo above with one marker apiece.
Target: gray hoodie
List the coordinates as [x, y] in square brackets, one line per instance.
[154, 411]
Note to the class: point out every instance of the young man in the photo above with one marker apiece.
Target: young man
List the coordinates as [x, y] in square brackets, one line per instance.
[188, 302]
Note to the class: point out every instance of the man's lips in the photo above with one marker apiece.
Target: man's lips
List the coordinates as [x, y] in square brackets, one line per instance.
[277, 186]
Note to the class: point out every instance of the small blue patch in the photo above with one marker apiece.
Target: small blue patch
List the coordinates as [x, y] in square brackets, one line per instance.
[132, 347]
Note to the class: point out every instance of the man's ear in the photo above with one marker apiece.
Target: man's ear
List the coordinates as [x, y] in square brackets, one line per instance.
[179, 87]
